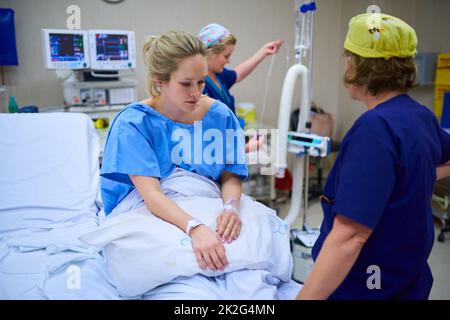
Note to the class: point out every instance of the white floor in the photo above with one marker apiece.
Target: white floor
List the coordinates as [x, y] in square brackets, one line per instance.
[439, 259]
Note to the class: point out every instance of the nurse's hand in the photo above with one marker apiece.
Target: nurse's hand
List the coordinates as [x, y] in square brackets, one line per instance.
[272, 47]
[228, 225]
[209, 250]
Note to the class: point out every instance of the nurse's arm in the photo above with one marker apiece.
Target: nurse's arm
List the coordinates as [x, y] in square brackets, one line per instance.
[209, 251]
[337, 256]
[443, 171]
[246, 67]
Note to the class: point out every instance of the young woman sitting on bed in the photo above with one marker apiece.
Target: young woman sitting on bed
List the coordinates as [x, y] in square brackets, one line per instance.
[140, 147]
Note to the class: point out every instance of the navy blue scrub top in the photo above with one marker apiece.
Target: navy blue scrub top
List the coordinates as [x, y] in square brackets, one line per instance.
[383, 178]
[227, 78]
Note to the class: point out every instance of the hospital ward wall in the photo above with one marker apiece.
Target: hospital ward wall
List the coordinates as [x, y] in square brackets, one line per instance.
[431, 21]
[254, 22]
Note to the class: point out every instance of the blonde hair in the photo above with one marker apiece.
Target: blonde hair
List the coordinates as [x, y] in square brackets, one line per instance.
[163, 53]
[220, 47]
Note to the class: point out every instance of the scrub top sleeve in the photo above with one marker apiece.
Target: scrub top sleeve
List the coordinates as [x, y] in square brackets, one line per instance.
[235, 147]
[445, 142]
[127, 151]
[367, 173]
[229, 77]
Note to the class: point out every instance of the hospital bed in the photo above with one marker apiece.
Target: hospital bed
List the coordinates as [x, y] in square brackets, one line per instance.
[49, 191]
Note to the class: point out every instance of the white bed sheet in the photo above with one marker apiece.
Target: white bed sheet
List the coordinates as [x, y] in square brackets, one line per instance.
[49, 178]
[44, 263]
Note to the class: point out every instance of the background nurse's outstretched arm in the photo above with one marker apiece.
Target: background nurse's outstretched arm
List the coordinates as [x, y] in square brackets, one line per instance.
[209, 251]
[246, 67]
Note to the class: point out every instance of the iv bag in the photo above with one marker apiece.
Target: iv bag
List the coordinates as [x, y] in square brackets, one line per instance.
[303, 29]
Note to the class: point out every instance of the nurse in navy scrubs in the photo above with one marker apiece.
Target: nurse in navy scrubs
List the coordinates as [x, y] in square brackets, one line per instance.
[377, 231]
[220, 44]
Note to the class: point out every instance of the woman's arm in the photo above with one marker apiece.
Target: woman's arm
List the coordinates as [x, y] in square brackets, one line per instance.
[443, 171]
[209, 251]
[337, 256]
[246, 67]
[228, 222]
[160, 205]
[231, 187]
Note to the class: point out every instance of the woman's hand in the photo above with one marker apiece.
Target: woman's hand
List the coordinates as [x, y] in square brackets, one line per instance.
[228, 225]
[209, 251]
[254, 143]
[272, 47]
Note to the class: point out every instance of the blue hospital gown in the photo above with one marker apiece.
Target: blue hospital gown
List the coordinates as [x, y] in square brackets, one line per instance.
[144, 142]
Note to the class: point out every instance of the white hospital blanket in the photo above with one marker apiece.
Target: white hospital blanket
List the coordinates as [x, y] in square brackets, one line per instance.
[144, 251]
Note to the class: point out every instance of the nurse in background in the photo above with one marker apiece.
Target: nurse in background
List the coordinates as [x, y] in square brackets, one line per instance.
[220, 44]
[378, 230]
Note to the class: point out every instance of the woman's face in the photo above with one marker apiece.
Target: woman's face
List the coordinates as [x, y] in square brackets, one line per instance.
[216, 61]
[186, 84]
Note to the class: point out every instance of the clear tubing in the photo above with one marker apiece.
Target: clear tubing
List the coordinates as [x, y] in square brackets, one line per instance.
[266, 90]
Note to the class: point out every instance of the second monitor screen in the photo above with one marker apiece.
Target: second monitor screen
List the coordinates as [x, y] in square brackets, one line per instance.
[111, 47]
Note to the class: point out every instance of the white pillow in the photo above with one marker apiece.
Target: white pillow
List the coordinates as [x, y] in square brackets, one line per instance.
[49, 167]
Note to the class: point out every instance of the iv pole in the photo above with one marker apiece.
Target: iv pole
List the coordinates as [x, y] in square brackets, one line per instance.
[304, 32]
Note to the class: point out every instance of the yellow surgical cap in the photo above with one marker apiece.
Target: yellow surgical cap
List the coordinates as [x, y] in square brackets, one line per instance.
[378, 35]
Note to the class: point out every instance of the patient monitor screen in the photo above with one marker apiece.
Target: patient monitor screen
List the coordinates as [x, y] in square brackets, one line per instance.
[66, 47]
[112, 47]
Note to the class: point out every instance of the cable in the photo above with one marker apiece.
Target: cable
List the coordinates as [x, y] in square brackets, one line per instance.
[67, 77]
